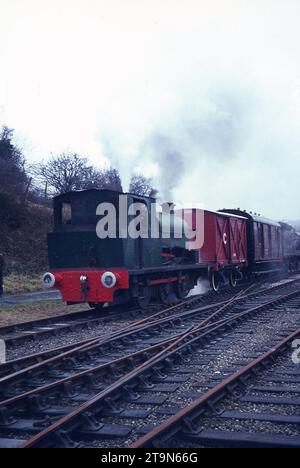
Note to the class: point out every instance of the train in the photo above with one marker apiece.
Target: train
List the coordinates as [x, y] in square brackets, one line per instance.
[152, 264]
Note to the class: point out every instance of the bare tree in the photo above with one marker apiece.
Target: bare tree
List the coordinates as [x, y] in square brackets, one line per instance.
[69, 172]
[105, 179]
[140, 185]
[112, 180]
[63, 173]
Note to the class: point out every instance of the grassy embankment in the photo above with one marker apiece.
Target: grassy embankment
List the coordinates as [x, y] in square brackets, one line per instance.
[24, 246]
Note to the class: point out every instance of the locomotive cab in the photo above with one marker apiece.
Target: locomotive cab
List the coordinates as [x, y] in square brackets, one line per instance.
[87, 266]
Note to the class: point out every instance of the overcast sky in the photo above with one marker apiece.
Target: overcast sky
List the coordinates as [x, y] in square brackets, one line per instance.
[203, 95]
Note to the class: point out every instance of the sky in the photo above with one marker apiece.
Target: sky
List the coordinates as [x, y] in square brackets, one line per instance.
[203, 96]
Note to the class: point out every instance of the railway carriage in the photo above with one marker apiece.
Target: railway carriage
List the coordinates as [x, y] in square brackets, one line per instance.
[265, 243]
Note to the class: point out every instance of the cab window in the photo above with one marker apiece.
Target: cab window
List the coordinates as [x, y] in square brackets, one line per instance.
[66, 213]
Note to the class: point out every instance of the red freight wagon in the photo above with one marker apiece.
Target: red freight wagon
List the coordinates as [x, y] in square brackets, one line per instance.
[224, 251]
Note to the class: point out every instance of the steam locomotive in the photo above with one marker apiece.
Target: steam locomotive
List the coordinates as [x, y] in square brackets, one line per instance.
[117, 268]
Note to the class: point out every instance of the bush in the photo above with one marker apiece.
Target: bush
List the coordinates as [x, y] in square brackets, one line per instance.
[25, 246]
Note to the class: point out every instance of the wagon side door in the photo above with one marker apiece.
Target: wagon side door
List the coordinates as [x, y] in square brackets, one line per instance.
[223, 239]
[238, 240]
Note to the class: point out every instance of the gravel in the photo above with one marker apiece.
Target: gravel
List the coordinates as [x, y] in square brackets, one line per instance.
[234, 347]
[242, 346]
[65, 338]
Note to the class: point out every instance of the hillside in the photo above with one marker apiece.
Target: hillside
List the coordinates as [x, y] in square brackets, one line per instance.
[24, 245]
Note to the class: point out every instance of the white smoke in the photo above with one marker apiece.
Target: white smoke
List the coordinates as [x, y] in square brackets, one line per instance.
[203, 96]
[201, 287]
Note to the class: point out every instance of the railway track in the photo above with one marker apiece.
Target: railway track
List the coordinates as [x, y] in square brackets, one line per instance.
[256, 406]
[16, 365]
[17, 334]
[89, 401]
[136, 334]
[34, 362]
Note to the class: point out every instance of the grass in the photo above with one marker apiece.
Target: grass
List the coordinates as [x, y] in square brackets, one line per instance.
[23, 313]
[24, 245]
[17, 284]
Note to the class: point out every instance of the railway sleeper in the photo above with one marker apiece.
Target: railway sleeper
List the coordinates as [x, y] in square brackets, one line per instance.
[240, 439]
[5, 418]
[113, 408]
[107, 431]
[130, 392]
[65, 441]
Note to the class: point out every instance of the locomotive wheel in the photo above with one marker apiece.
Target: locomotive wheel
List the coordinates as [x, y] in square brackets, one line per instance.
[183, 288]
[233, 279]
[144, 298]
[214, 281]
[165, 293]
[98, 306]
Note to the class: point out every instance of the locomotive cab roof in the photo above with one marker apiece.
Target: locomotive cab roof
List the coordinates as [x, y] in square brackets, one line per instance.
[76, 210]
[78, 193]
